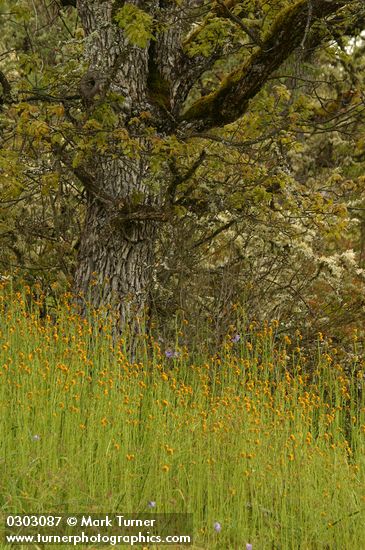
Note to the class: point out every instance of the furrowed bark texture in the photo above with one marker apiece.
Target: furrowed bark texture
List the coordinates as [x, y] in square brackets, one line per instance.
[115, 263]
[116, 256]
[116, 253]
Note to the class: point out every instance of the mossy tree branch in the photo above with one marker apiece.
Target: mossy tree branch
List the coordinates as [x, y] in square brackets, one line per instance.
[230, 100]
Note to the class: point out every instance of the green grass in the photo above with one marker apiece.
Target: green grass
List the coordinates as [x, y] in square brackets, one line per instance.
[268, 443]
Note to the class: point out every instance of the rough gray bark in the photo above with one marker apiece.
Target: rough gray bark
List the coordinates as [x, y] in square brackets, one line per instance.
[116, 252]
[116, 255]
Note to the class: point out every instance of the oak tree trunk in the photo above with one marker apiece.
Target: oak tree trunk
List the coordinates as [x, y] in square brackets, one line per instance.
[115, 262]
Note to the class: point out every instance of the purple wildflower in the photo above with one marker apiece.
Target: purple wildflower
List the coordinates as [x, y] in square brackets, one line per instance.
[248, 546]
[217, 527]
[171, 354]
[151, 504]
[236, 338]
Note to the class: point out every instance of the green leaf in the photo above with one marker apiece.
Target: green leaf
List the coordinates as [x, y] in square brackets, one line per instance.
[137, 24]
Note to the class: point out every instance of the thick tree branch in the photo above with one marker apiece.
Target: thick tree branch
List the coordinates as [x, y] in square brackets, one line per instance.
[230, 100]
[144, 213]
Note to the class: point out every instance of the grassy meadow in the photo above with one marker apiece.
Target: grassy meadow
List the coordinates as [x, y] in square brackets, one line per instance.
[260, 438]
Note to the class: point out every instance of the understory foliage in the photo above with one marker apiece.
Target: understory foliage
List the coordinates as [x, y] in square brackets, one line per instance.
[262, 442]
[267, 212]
